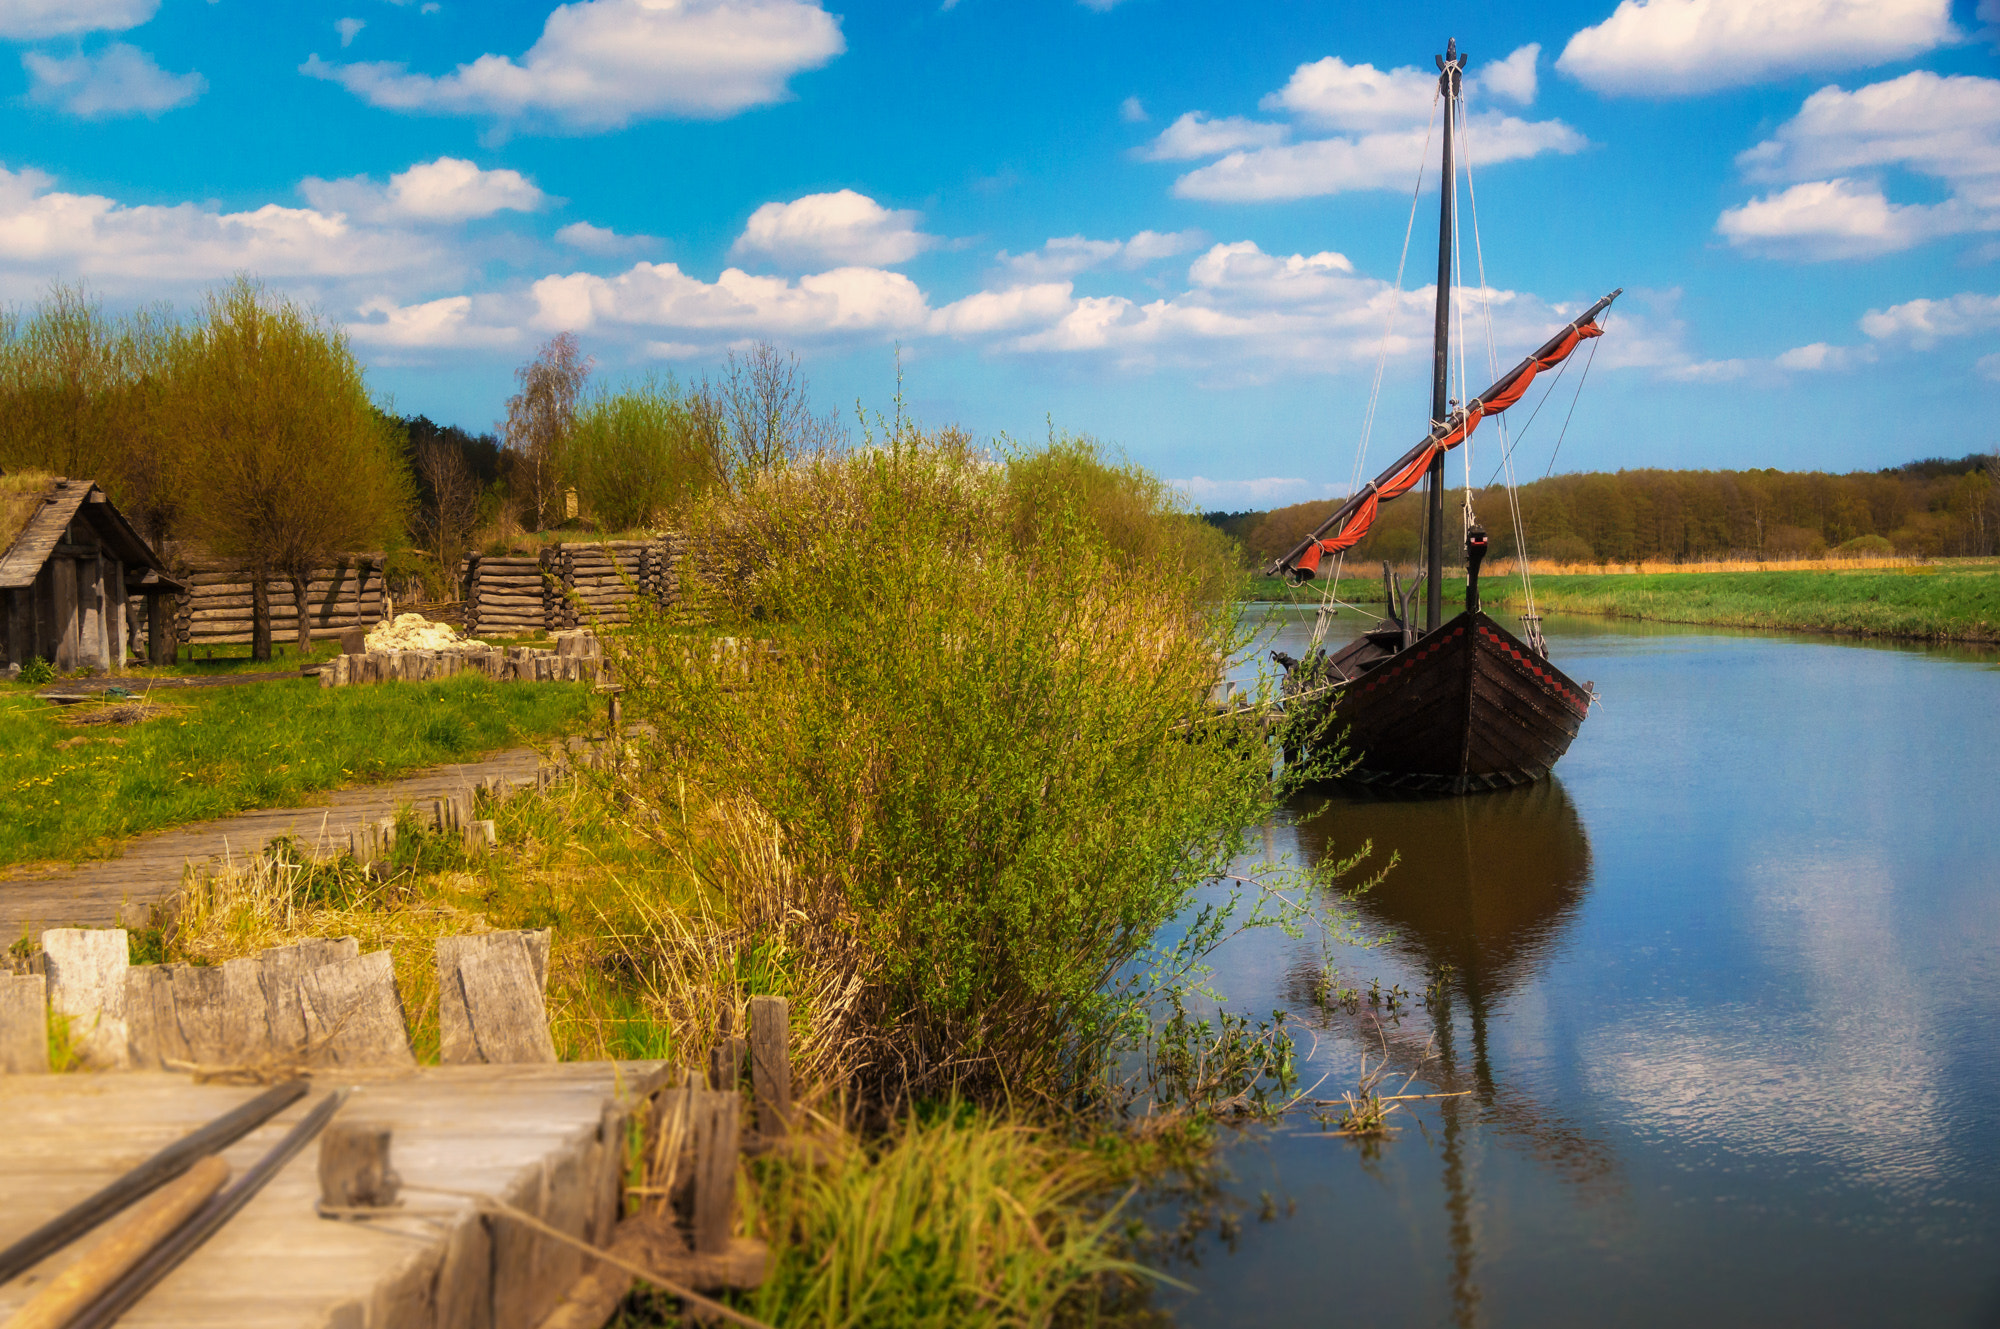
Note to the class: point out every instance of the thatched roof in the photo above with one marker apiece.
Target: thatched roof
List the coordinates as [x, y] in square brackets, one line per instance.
[35, 510]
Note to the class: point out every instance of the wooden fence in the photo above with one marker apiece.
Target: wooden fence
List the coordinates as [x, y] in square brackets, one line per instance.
[563, 587]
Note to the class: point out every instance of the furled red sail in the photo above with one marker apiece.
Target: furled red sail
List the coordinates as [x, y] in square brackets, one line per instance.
[1355, 516]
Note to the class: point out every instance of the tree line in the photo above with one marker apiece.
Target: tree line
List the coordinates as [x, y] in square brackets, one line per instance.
[244, 428]
[1932, 508]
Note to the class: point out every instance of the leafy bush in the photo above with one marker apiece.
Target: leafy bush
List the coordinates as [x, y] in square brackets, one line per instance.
[968, 771]
[637, 455]
[37, 672]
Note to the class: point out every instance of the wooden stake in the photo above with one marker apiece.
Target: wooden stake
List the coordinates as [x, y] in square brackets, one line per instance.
[354, 1171]
[771, 1065]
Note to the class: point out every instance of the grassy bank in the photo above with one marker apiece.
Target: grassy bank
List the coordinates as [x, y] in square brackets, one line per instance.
[1948, 602]
[1943, 601]
[74, 791]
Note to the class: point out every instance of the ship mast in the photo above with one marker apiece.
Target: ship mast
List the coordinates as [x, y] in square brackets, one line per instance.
[1450, 65]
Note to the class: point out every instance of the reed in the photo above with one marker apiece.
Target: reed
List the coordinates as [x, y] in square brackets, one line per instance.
[955, 1218]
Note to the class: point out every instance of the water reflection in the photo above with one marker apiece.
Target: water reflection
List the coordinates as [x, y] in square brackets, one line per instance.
[1479, 895]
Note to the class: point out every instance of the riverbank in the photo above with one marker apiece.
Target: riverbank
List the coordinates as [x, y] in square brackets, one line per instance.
[1955, 601]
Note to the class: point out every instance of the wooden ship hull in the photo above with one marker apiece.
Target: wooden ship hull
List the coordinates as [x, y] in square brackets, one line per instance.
[1466, 708]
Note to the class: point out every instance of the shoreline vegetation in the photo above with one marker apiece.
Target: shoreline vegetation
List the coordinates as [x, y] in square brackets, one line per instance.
[944, 797]
[1940, 600]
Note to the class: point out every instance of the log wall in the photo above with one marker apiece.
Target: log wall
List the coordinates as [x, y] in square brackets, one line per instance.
[217, 607]
[569, 586]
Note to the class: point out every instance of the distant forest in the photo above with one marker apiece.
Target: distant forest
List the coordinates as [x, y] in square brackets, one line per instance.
[1934, 508]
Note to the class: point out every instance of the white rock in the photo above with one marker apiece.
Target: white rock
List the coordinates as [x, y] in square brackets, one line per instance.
[414, 632]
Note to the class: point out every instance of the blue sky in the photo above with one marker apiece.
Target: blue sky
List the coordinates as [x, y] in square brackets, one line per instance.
[1171, 225]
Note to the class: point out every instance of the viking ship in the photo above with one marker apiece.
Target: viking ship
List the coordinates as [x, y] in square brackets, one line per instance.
[1456, 706]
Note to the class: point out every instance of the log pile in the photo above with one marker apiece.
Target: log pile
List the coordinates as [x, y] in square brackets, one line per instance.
[569, 585]
[218, 606]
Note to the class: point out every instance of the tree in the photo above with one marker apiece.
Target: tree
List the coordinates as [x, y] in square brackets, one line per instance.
[540, 420]
[759, 416]
[77, 397]
[637, 453]
[447, 520]
[284, 463]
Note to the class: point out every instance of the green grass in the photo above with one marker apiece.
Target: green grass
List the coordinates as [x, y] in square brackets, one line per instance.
[231, 749]
[1955, 602]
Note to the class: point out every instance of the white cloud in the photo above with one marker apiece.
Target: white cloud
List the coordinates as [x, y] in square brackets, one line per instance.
[737, 304]
[1828, 219]
[841, 228]
[437, 324]
[1947, 128]
[1656, 47]
[349, 29]
[1267, 492]
[1387, 116]
[1338, 95]
[1133, 111]
[1003, 311]
[603, 240]
[119, 80]
[449, 189]
[601, 64]
[1194, 135]
[1821, 356]
[1923, 322]
[1385, 160]
[1065, 256]
[27, 20]
[1512, 78]
[47, 232]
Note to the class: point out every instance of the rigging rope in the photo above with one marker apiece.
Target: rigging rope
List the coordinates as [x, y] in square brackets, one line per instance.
[1532, 617]
[1581, 380]
[1330, 597]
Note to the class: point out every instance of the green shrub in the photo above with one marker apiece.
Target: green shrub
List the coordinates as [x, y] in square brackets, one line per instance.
[978, 749]
[37, 672]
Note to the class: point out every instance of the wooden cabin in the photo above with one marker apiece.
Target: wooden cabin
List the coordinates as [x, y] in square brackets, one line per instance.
[78, 584]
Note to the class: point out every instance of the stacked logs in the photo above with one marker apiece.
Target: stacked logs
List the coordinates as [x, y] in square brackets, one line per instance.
[602, 581]
[219, 604]
[569, 586]
[505, 597]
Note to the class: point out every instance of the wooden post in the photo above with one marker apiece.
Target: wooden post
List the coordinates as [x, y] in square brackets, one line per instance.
[354, 1171]
[715, 1145]
[771, 1065]
[24, 1024]
[491, 1007]
[725, 1064]
[86, 970]
[353, 1015]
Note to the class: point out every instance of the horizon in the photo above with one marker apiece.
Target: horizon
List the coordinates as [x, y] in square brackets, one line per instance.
[1175, 233]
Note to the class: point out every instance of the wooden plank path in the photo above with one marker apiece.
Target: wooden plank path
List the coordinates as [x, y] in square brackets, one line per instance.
[118, 890]
[545, 1139]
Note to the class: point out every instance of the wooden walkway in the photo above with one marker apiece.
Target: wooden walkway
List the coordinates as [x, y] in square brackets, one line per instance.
[546, 1139]
[117, 890]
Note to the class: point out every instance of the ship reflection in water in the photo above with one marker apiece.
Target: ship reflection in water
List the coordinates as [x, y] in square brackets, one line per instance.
[1481, 892]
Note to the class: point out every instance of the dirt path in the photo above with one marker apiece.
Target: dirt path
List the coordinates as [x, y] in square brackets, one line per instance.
[115, 890]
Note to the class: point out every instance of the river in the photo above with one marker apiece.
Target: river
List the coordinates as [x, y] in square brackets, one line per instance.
[1725, 992]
